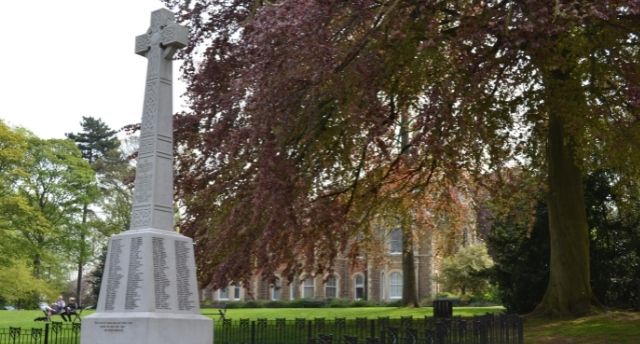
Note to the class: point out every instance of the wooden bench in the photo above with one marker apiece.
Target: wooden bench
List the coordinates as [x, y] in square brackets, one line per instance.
[69, 315]
[74, 314]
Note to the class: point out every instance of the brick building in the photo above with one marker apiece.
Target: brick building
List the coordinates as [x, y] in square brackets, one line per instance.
[370, 281]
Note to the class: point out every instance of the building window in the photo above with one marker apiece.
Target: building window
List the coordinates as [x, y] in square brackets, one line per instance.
[331, 287]
[395, 241]
[276, 290]
[395, 285]
[359, 284]
[223, 294]
[308, 288]
[236, 292]
[292, 291]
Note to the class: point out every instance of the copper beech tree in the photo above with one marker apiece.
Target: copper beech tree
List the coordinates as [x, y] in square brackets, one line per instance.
[304, 113]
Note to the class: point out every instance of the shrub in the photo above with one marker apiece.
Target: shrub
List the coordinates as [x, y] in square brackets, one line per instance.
[276, 304]
[307, 303]
[521, 256]
[252, 304]
[466, 271]
[339, 303]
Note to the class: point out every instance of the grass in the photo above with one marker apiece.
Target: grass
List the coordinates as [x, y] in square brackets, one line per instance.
[24, 318]
[610, 327]
[349, 313]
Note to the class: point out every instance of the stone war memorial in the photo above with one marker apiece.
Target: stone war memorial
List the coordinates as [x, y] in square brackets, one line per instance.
[149, 291]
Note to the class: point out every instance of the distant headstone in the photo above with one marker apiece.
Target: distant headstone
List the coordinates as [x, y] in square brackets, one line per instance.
[149, 290]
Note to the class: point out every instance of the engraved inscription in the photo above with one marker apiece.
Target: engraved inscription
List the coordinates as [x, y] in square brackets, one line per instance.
[113, 326]
[114, 275]
[144, 178]
[185, 296]
[141, 218]
[134, 276]
[159, 273]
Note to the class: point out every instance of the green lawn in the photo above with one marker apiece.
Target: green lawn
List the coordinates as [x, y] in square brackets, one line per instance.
[349, 313]
[611, 327]
[25, 318]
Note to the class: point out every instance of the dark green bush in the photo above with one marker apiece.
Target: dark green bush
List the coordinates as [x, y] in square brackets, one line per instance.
[251, 304]
[307, 303]
[521, 257]
[339, 303]
[276, 304]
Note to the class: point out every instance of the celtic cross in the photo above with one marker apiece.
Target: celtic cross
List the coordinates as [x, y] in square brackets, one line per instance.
[153, 191]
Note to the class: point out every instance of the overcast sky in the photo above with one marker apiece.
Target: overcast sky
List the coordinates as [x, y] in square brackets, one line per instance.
[65, 59]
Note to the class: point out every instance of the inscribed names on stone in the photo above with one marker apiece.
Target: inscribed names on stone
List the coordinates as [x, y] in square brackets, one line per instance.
[114, 275]
[161, 280]
[186, 298]
[134, 275]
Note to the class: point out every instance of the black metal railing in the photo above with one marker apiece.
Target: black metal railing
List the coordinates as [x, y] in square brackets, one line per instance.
[51, 333]
[486, 329]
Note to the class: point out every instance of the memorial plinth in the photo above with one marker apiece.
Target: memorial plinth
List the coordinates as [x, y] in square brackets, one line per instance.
[149, 292]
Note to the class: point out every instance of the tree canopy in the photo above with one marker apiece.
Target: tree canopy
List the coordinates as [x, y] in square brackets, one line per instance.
[99, 147]
[43, 185]
[291, 144]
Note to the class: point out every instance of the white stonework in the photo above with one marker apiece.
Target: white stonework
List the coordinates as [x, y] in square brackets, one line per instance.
[149, 291]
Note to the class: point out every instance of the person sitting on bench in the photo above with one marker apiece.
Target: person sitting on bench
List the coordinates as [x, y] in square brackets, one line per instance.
[55, 308]
[70, 310]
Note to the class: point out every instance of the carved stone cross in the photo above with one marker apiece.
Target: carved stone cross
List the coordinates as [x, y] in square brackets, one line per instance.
[149, 292]
[153, 192]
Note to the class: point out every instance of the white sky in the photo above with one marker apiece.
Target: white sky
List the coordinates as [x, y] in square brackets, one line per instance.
[64, 59]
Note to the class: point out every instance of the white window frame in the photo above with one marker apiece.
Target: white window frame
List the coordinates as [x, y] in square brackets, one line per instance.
[357, 285]
[334, 287]
[395, 243]
[276, 286]
[304, 287]
[395, 285]
[237, 292]
[223, 293]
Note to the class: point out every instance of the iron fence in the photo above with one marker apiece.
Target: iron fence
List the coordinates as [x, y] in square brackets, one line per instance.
[51, 333]
[486, 329]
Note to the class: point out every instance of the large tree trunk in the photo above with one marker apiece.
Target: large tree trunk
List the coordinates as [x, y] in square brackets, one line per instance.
[569, 290]
[409, 292]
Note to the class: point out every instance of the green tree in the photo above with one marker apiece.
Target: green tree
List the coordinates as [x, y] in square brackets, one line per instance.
[465, 271]
[96, 274]
[13, 148]
[56, 185]
[17, 284]
[99, 146]
[520, 251]
[613, 214]
[519, 244]
[42, 185]
[115, 204]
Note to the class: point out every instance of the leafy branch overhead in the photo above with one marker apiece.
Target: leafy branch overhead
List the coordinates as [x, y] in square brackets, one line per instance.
[292, 149]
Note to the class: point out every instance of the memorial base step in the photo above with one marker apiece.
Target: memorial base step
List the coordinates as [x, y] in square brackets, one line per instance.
[146, 328]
